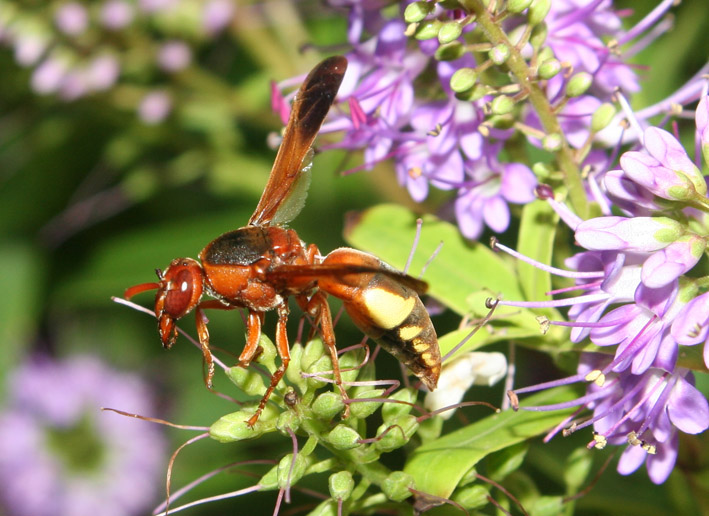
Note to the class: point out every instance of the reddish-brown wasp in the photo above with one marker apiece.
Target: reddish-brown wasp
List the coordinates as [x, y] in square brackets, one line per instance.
[259, 266]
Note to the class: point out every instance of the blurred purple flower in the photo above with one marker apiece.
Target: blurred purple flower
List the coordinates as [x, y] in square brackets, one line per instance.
[154, 107]
[29, 47]
[72, 18]
[117, 14]
[48, 76]
[217, 15]
[152, 6]
[102, 72]
[174, 56]
[60, 455]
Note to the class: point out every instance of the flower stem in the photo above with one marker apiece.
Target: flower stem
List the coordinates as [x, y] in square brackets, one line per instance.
[518, 67]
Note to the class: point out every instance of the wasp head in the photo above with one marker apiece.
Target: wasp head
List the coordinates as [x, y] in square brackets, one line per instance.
[179, 291]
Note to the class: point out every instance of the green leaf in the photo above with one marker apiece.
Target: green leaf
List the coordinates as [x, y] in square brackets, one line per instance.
[536, 240]
[21, 282]
[438, 466]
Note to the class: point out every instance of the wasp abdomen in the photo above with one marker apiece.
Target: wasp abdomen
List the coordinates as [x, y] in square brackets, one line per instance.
[399, 322]
[388, 312]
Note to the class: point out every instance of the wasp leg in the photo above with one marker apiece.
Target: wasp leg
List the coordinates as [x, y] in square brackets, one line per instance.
[203, 333]
[283, 352]
[319, 309]
[253, 337]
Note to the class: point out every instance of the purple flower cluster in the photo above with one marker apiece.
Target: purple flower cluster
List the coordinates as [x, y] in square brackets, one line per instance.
[637, 298]
[61, 455]
[75, 51]
[452, 139]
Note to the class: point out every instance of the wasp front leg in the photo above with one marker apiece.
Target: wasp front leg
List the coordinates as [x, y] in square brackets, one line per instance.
[318, 307]
[283, 352]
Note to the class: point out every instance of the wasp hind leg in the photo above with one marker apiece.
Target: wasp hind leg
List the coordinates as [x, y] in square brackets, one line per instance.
[318, 307]
[283, 351]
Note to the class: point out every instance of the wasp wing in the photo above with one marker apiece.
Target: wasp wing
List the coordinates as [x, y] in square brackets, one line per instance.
[284, 272]
[287, 184]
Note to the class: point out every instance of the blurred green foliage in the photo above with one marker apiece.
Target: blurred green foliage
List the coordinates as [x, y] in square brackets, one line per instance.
[92, 200]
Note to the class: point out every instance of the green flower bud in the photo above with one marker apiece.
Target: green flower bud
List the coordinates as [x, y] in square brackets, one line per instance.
[288, 421]
[578, 84]
[417, 11]
[363, 409]
[396, 433]
[321, 365]
[396, 486]
[270, 479]
[290, 471]
[549, 69]
[233, 427]
[341, 485]
[430, 429]
[428, 29]
[326, 508]
[501, 121]
[453, 4]
[502, 105]
[541, 170]
[449, 31]
[499, 54]
[538, 10]
[391, 411]
[248, 380]
[351, 360]
[602, 117]
[293, 372]
[327, 405]
[538, 36]
[343, 437]
[517, 6]
[552, 142]
[472, 497]
[463, 80]
[545, 54]
[450, 51]
[312, 352]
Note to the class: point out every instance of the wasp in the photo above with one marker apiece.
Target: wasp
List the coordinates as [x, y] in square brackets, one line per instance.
[260, 266]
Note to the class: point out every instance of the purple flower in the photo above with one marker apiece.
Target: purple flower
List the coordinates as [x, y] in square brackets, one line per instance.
[665, 170]
[153, 6]
[102, 72]
[174, 55]
[638, 234]
[29, 47]
[61, 455]
[72, 18]
[154, 107]
[577, 29]
[493, 185]
[48, 76]
[117, 14]
[702, 121]
[691, 326]
[217, 14]
[646, 412]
